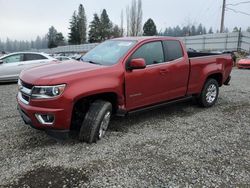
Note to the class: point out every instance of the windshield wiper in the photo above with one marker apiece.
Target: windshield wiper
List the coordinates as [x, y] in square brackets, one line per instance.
[93, 62]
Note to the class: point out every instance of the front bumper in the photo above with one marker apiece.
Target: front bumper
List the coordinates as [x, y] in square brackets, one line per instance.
[55, 133]
[60, 127]
[243, 66]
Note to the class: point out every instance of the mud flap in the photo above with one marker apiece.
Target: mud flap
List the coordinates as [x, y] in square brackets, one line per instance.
[227, 81]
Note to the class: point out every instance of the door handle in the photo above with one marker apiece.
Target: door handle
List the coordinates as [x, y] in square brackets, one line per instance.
[20, 64]
[163, 71]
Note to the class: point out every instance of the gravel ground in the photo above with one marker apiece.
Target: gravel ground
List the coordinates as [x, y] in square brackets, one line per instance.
[178, 145]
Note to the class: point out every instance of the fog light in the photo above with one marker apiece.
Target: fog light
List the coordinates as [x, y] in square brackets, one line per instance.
[45, 119]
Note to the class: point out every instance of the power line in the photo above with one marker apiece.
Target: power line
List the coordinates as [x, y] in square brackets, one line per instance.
[236, 4]
[204, 9]
[237, 11]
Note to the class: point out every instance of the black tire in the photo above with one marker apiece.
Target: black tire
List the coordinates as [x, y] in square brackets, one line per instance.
[207, 98]
[89, 131]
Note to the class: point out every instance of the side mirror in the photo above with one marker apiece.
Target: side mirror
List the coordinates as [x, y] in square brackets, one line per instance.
[1, 61]
[137, 64]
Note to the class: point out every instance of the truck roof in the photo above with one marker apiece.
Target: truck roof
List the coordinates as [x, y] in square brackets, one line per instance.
[143, 38]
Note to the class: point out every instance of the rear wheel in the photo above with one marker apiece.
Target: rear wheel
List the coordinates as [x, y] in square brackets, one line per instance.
[209, 94]
[96, 121]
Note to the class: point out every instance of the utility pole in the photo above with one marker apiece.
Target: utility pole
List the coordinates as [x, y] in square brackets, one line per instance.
[223, 16]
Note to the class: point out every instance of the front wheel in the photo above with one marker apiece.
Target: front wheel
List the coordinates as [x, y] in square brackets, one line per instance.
[96, 121]
[209, 93]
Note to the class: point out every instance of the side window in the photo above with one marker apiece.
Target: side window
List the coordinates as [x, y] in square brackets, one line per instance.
[151, 52]
[30, 57]
[172, 49]
[13, 58]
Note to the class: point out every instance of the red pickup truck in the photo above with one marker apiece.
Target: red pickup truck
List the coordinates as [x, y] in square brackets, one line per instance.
[118, 77]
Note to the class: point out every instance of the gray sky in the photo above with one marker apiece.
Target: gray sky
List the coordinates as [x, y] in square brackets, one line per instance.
[25, 19]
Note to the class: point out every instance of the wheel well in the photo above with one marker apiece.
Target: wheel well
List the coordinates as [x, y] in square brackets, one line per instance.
[110, 97]
[217, 77]
[81, 107]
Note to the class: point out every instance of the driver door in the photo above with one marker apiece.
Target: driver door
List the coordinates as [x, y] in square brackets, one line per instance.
[147, 86]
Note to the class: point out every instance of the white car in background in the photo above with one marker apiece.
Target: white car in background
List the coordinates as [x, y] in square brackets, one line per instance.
[12, 64]
[63, 58]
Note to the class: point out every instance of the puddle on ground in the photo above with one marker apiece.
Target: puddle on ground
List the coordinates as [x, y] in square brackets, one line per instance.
[51, 177]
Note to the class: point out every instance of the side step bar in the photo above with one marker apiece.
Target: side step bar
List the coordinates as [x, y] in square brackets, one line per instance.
[124, 113]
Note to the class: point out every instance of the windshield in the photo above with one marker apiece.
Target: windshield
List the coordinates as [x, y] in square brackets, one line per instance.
[108, 53]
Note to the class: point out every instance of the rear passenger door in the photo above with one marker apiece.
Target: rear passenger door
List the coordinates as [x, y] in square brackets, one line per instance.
[31, 60]
[177, 65]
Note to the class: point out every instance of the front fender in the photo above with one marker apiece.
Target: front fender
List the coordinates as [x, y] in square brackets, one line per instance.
[98, 84]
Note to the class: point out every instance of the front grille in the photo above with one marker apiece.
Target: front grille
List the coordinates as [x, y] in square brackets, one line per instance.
[25, 90]
[26, 85]
[25, 97]
[244, 65]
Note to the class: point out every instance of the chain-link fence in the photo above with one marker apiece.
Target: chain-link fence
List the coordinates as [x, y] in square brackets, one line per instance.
[82, 48]
[236, 41]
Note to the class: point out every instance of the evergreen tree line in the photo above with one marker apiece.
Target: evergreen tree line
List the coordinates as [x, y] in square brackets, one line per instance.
[189, 30]
[15, 45]
[192, 30]
[102, 28]
[55, 38]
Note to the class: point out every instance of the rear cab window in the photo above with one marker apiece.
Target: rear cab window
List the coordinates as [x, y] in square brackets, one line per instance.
[173, 50]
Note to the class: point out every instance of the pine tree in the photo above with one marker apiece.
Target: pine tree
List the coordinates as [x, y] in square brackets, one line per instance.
[8, 45]
[52, 37]
[210, 30]
[101, 28]
[1, 46]
[193, 30]
[38, 43]
[199, 30]
[94, 31]
[74, 34]
[60, 39]
[235, 29]
[44, 42]
[204, 31]
[82, 24]
[226, 30]
[149, 28]
[116, 32]
[185, 31]
[178, 31]
[105, 26]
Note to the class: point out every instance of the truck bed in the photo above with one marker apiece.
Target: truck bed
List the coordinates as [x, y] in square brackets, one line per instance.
[201, 54]
[201, 63]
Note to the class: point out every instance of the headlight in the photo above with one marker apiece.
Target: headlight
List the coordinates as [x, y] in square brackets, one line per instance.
[19, 84]
[47, 92]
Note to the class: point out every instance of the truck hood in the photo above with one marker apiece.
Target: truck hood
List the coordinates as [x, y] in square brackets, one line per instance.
[56, 71]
